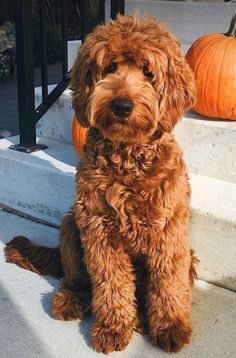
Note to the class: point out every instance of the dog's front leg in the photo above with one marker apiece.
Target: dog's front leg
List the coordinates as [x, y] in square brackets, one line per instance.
[169, 290]
[113, 303]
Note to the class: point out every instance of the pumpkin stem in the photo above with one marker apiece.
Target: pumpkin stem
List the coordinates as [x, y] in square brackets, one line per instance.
[232, 28]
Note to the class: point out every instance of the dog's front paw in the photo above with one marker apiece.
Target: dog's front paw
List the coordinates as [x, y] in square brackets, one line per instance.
[172, 339]
[107, 340]
[66, 306]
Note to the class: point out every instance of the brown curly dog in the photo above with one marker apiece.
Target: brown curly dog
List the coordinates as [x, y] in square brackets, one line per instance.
[130, 260]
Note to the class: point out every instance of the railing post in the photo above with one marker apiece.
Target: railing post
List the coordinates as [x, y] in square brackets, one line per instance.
[43, 44]
[84, 18]
[25, 76]
[28, 115]
[117, 6]
[64, 26]
[102, 11]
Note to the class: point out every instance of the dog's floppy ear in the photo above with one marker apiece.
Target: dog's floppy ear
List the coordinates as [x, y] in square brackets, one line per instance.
[82, 82]
[180, 92]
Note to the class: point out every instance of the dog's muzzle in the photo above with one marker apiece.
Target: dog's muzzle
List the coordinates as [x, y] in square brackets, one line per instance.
[121, 107]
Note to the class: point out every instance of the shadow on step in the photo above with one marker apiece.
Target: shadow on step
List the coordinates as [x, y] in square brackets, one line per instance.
[17, 339]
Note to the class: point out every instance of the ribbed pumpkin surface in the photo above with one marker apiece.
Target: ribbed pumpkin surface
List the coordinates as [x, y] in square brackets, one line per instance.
[78, 136]
[213, 60]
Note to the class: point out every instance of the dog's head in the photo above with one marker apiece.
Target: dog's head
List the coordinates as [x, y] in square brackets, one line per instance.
[130, 80]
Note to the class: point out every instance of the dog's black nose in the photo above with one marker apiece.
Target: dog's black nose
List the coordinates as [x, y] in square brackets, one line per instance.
[121, 107]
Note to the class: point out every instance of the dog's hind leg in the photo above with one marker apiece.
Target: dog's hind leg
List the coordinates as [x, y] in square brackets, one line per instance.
[73, 300]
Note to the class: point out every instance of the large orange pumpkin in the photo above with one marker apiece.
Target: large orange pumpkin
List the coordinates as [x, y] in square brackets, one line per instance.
[78, 136]
[213, 60]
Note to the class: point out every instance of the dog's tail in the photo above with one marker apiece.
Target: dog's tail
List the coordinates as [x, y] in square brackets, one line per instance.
[192, 270]
[39, 259]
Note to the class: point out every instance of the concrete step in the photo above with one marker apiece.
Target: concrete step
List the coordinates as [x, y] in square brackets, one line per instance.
[209, 146]
[213, 229]
[42, 185]
[56, 124]
[72, 49]
[28, 329]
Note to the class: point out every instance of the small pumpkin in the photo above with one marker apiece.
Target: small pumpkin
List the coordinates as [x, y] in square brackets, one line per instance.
[78, 136]
[213, 60]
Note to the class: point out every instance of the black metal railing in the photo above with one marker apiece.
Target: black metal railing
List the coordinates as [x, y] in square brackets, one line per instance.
[28, 114]
[117, 6]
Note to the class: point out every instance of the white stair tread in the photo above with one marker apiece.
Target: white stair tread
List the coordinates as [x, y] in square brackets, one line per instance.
[58, 156]
[192, 116]
[27, 328]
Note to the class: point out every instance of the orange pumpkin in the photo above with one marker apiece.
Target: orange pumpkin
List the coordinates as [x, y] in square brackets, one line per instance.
[78, 136]
[213, 60]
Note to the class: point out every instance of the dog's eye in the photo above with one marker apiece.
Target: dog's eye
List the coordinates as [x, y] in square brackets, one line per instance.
[111, 68]
[147, 73]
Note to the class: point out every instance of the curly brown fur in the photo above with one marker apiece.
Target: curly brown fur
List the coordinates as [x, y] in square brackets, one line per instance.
[131, 261]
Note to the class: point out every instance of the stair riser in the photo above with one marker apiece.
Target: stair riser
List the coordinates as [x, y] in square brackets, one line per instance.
[72, 51]
[209, 150]
[45, 195]
[40, 184]
[214, 243]
[57, 122]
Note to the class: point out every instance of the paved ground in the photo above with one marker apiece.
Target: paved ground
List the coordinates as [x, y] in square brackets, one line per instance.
[27, 328]
[8, 99]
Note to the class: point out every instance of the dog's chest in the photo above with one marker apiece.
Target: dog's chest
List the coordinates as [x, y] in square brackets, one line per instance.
[133, 214]
[124, 190]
